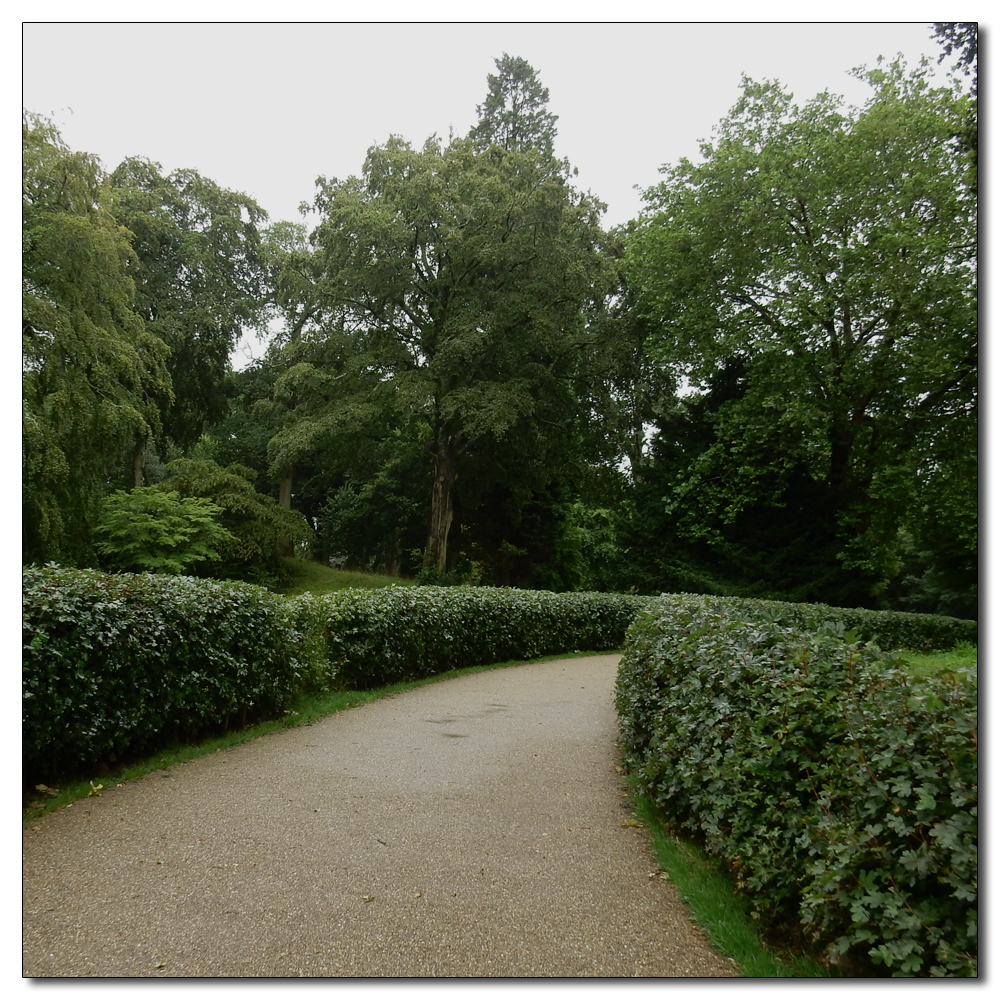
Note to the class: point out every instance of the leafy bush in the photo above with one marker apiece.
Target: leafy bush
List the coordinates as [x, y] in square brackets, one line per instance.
[374, 637]
[841, 792]
[119, 664]
[149, 529]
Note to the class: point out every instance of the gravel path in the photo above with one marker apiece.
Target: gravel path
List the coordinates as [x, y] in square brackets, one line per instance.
[472, 827]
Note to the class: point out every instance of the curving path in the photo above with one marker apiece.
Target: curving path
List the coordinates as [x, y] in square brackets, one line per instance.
[472, 827]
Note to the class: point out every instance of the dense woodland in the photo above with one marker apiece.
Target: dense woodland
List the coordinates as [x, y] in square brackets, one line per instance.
[765, 385]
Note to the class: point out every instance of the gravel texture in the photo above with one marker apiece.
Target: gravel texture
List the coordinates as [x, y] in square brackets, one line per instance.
[474, 827]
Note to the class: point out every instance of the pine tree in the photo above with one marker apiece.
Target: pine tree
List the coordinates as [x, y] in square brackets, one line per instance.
[515, 114]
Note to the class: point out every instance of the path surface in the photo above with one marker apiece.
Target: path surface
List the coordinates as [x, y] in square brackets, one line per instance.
[472, 827]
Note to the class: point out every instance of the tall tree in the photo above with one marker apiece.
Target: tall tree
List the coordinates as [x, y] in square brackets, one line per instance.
[91, 372]
[469, 274]
[836, 250]
[961, 39]
[515, 114]
[201, 279]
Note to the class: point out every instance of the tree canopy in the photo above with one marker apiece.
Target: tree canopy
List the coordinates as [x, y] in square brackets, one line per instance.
[91, 372]
[464, 277]
[515, 114]
[766, 385]
[834, 252]
[201, 279]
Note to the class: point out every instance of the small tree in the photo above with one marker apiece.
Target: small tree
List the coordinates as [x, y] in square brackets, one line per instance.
[149, 531]
[257, 527]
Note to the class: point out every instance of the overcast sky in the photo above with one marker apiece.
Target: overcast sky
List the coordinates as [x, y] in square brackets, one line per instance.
[266, 108]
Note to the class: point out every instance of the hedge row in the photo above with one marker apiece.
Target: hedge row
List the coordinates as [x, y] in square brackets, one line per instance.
[375, 637]
[118, 665]
[121, 664]
[841, 793]
[888, 629]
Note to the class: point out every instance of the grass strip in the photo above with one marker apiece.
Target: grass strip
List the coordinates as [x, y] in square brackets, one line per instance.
[963, 658]
[714, 904]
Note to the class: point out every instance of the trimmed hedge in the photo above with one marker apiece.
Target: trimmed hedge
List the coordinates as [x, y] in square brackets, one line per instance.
[119, 665]
[375, 637]
[116, 665]
[841, 793]
[889, 629]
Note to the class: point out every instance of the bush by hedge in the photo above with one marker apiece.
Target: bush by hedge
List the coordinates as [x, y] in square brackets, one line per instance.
[115, 665]
[841, 793]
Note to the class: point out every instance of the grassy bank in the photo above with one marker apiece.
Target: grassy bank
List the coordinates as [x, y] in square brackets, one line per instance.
[315, 578]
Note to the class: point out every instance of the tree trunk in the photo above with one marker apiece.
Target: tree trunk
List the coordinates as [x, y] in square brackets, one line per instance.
[392, 562]
[285, 500]
[445, 450]
[138, 454]
[285, 486]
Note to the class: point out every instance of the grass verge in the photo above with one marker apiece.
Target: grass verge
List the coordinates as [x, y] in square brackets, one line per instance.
[965, 656]
[715, 906]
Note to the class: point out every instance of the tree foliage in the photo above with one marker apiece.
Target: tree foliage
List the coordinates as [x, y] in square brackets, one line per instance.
[462, 278]
[91, 372]
[515, 114]
[765, 386]
[835, 250]
[256, 525]
[201, 279]
[961, 39]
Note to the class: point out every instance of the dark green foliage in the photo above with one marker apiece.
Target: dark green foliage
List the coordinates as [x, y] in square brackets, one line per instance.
[89, 367]
[833, 250]
[888, 629]
[200, 277]
[375, 637]
[515, 113]
[961, 39]
[120, 665]
[841, 792]
[255, 523]
[117, 665]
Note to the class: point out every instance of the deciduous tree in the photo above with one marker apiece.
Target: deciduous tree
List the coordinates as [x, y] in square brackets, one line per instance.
[91, 372]
[201, 280]
[468, 273]
[834, 249]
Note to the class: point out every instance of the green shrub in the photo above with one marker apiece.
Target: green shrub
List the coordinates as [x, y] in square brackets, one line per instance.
[114, 665]
[258, 527]
[117, 665]
[375, 637]
[148, 529]
[841, 793]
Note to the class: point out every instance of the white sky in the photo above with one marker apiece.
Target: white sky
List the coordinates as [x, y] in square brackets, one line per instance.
[266, 108]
